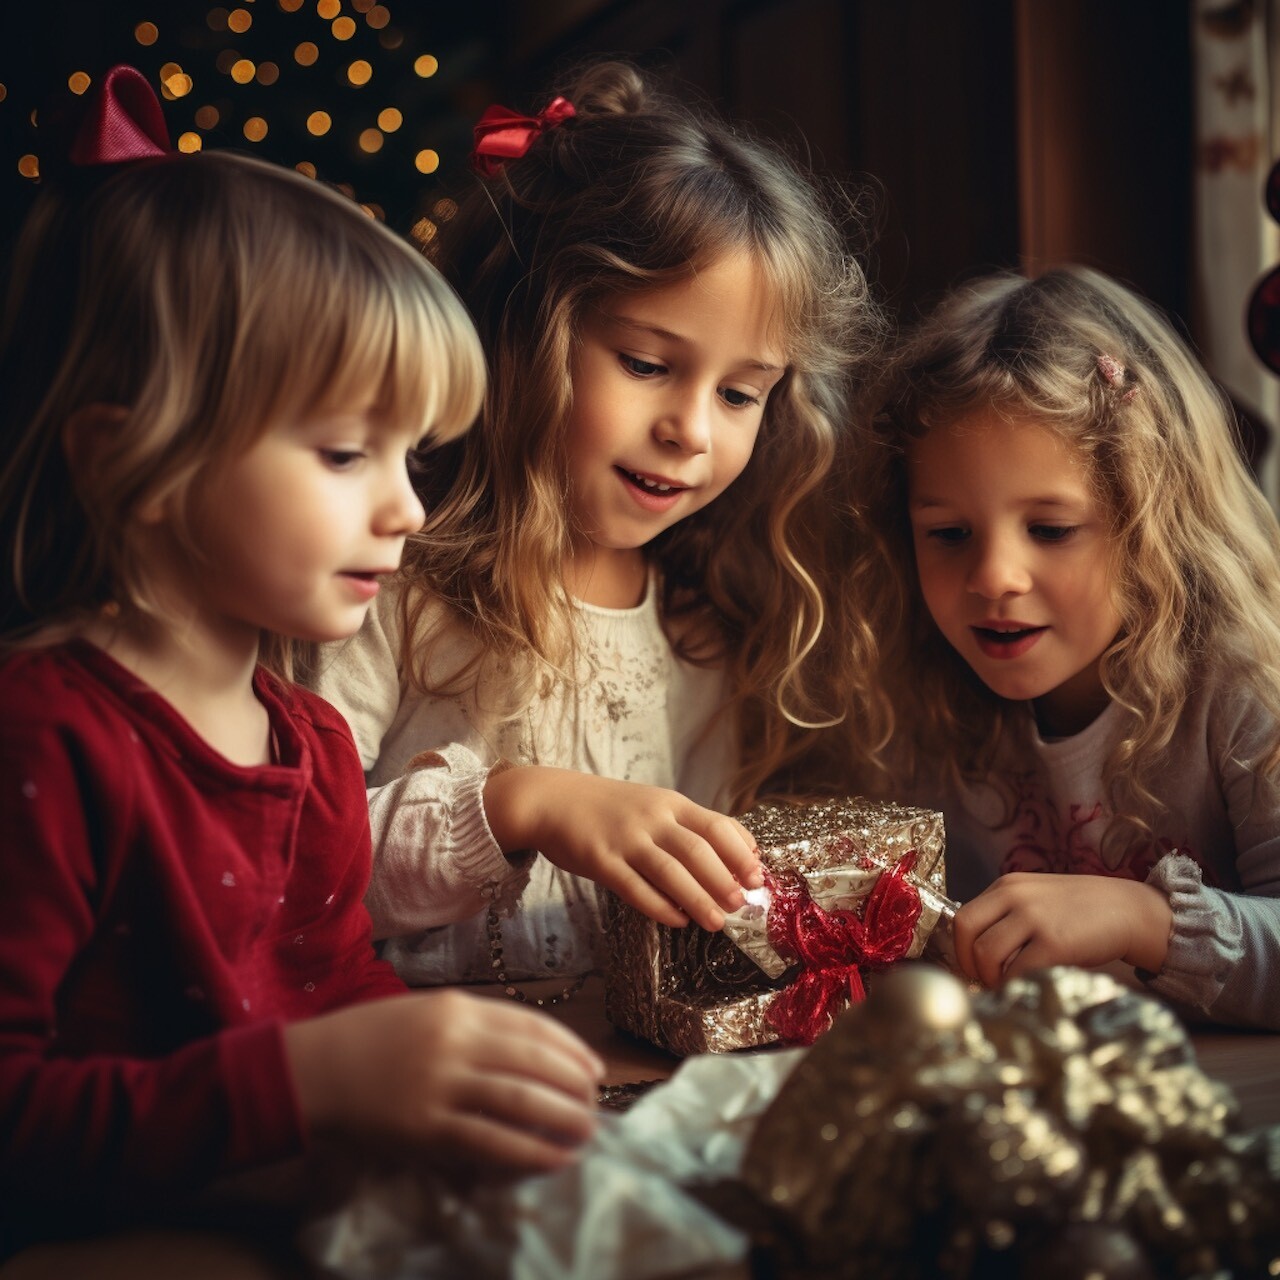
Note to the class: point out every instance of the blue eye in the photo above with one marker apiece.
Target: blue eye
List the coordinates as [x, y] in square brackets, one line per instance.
[641, 368]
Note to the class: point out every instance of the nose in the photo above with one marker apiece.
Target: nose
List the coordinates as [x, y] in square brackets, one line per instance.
[997, 569]
[399, 511]
[684, 421]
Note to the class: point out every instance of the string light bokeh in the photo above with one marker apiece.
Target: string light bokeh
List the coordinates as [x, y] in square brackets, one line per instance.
[375, 98]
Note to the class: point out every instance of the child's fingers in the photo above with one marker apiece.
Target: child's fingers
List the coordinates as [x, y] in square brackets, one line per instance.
[544, 1047]
[519, 1102]
[634, 889]
[994, 948]
[489, 1144]
[734, 846]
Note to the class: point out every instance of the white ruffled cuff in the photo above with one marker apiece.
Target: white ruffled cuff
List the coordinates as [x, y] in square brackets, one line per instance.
[1206, 942]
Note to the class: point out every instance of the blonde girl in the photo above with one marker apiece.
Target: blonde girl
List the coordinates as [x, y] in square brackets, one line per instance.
[613, 615]
[1072, 607]
[214, 370]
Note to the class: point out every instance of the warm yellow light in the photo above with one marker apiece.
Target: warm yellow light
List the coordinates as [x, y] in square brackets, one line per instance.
[243, 71]
[78, 82]
[190, 142]
[370, 140]
[375, 210]
[290, 6]
[217, 19]
[239, 20]
[343, 28]
[318, 123]
[389, 119]
[29, 167]
[255, 128]
[306, 54]
[427, 161]
[169, 70]
[146, 33]
[206, 117]
[378, 16]
[426, 65]
[359, 72]
[444, 209]
[306, 168]
[268, 73]
[178, 86]
[362, 6]
[329, 9]
[423, 231]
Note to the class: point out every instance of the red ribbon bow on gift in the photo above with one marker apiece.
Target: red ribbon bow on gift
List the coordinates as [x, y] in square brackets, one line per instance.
[502, 135]
[834, 946]
[122, 121]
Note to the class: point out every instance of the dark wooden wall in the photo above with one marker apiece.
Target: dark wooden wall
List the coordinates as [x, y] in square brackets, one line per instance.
[993, 133]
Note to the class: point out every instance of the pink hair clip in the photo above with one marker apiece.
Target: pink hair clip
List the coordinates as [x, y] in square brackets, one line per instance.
[502, 135]
[1113, 374]
[122, 121]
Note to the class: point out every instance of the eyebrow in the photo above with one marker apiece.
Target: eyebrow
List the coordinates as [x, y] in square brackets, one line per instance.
[927, 501]
[640, 326]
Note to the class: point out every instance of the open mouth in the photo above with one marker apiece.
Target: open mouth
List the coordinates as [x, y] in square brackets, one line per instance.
[644, 483]
[1007, 636]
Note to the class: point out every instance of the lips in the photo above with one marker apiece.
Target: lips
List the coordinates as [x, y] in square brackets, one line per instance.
[652, 484]
[653, 493]
[1007, 640]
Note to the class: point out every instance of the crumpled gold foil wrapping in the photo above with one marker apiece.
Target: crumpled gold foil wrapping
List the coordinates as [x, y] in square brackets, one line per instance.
[1058, 1126]
[692, 991]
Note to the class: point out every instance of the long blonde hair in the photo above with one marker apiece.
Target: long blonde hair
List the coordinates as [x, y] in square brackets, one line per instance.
[210, 296]
[1196, 547]
[636, 191]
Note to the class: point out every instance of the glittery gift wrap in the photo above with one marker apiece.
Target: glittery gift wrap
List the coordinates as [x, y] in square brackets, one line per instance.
[1056, 1127]
[692, 991]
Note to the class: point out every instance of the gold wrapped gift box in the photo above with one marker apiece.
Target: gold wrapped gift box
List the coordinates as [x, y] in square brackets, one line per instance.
[692, 991]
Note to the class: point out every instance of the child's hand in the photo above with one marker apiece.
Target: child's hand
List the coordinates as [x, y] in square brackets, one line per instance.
[456, 1081]
[1029, 920]
[656, 849]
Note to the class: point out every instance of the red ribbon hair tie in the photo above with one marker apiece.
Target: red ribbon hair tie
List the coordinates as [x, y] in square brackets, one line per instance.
[122, 121]
[833, 947]
[502, 135]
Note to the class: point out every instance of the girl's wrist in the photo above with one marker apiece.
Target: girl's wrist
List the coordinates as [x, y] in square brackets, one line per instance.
[1153, 925]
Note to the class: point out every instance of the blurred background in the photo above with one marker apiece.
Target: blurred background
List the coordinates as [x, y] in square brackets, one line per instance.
[1135, 135]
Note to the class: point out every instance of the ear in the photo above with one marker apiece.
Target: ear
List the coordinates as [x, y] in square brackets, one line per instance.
[89, 436]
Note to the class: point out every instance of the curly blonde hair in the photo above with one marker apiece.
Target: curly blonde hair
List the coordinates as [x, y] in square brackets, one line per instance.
[636, 191]
[209, 296]
[1196, 548]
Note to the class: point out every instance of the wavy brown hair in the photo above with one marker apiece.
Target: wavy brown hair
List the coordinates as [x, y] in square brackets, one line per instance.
[636, 191]
[211, 296]
[1196, 548]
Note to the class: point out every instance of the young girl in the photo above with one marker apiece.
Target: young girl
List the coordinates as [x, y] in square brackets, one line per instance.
[612, 617]
[1072, 599]
[213, 372]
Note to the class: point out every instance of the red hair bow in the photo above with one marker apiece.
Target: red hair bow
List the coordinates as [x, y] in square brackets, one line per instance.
[122, 121]
[502, 135]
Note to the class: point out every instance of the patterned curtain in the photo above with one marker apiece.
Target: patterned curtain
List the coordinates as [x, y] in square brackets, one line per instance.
[1236, 51]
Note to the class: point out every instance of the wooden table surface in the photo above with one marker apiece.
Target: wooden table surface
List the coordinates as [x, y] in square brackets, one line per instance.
[1247, 1061]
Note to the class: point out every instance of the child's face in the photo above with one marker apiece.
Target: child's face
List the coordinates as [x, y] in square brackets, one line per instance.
[669, 390]
[298, 530]
[1013, 554]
